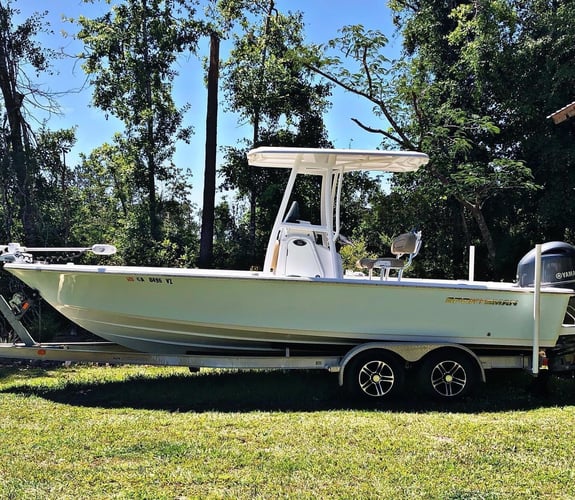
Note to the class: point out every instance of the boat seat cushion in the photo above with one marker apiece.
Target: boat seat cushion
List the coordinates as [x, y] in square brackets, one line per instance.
[383, 263]
[405, 243]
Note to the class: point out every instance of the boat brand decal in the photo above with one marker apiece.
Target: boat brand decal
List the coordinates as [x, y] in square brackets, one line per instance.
[565, 274]
[150, 279]
[487, 302]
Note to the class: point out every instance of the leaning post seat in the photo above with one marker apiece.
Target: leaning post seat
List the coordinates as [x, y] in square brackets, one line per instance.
[404, 244]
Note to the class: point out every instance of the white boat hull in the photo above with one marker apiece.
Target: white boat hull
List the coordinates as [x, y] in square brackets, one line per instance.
[164, 310]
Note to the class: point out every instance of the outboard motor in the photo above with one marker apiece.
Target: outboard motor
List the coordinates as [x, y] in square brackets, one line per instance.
[557, 266]
[557, 270]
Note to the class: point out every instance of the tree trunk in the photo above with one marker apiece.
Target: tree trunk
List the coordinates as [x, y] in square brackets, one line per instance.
[155, 232]
[207, 234]
[19, 139]
[485, 232]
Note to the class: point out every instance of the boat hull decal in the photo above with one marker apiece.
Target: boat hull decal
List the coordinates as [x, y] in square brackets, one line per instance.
[488, 302]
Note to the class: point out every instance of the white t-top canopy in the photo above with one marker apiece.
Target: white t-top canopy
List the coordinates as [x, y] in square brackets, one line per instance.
[316, 161]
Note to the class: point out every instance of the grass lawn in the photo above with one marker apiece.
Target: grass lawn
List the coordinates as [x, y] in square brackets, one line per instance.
[140, 432]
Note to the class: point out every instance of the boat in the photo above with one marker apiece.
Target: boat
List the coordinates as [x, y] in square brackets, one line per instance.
[302, 299]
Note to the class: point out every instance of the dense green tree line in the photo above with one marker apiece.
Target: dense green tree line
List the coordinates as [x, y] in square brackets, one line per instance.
[472, 89]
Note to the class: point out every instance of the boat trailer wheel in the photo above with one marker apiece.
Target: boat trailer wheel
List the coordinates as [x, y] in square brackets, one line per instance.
[448, 374]
[374, 375]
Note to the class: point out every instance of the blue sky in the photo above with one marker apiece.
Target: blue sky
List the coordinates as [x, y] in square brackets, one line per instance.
[323, 19]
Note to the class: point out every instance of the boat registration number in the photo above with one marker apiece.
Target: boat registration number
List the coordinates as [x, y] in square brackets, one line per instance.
[150, 279]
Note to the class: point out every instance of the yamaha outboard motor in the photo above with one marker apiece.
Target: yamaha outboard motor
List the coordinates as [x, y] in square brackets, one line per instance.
[557, 266]
[557, 270]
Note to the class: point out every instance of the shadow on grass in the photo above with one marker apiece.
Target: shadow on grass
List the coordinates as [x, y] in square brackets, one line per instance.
[22, 370]
[290, 391]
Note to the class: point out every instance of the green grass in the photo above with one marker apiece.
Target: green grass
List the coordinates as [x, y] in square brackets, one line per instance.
[135, 432]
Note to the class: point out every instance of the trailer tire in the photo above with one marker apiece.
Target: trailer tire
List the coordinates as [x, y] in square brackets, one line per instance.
[374, 374]
[448, 374]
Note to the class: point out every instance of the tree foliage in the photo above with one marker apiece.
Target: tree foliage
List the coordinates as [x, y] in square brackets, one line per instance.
[455, 95]
[130, 54]
[268, 87]
[472, 89]
[21, 54]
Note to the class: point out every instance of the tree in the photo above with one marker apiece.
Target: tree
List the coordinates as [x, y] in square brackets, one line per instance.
[207, 234]
[231, 236]
[511, 61]
[541, 67]
[109, 208]
[130, 56]
[270, 89]
[54, 191]
[19, 52]
[435, 100]
[103, 180]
